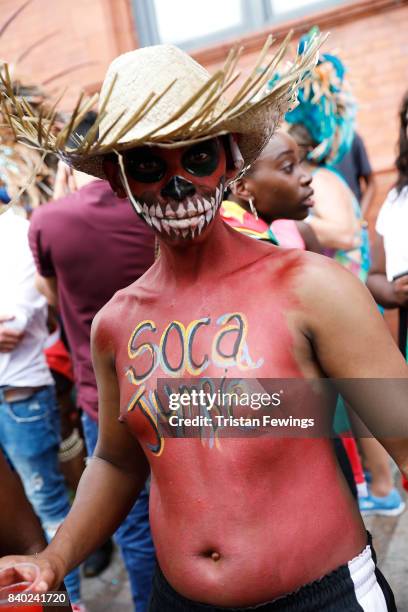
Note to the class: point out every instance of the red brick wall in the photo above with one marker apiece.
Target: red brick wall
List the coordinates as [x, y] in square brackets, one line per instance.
[87, 30]
[371, 37]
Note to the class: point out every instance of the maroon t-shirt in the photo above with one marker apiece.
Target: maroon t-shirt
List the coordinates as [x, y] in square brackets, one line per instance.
[95, 244]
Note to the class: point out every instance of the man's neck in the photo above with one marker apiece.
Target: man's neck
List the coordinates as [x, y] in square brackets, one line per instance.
[218, 252]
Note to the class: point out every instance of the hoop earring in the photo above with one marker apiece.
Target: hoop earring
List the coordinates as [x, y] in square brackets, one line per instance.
[253, 209]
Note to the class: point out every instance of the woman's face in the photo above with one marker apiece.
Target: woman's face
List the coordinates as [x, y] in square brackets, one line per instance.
[280, 186]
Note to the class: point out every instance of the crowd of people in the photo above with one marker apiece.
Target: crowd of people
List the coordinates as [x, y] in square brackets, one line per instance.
[191, 243]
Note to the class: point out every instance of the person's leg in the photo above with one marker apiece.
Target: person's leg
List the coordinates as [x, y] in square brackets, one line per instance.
[383, 497]
[30, 438]
[378, 462]
[133, 536]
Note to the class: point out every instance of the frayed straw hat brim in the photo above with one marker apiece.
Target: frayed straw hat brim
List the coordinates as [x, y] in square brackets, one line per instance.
[186, 105]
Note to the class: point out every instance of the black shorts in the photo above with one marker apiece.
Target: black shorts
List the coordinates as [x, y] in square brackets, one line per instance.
[354, 587]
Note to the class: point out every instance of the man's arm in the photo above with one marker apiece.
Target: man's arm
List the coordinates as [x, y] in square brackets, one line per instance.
[48, 286]
[20, 529]
[9, 338]
[351, 341]
[23, 299]
[388, 294]
[110, 483]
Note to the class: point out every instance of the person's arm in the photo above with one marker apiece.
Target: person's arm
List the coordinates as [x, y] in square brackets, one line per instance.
[20, 529]
[9, 338]
[333, 220]
[351, 341]
[364, 173]
[387, 294]
[48, 286]
[368, 193]
[110, 484]
[309, 237]
[22, 296]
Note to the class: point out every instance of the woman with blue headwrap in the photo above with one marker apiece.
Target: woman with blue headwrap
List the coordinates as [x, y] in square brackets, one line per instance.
[323, 125]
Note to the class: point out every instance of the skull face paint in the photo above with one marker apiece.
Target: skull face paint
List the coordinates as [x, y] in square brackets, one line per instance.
[176, 191]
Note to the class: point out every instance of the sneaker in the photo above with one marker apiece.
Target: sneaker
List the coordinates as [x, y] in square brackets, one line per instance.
[78, 607]
[390, 505]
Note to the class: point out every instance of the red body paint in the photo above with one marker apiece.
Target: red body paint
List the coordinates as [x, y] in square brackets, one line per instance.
[243, 521]
[242, 499]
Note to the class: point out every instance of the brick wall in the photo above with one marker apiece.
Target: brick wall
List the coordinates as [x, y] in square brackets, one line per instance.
[371, 37]
[86, 31]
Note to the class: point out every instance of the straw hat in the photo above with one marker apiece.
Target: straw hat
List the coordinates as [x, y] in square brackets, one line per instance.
[160, 96]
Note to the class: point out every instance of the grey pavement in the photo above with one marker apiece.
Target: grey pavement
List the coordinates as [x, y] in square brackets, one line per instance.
[110, 591]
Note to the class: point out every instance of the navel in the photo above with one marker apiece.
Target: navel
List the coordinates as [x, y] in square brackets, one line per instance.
[212, 554]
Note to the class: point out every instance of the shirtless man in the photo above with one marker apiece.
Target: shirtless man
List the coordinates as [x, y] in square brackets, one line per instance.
[246, 521]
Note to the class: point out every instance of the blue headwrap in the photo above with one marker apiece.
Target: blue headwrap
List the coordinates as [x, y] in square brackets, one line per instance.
[4, 196]
[326, 109]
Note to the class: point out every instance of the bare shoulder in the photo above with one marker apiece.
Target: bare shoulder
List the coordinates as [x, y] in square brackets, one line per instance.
[322, 280]
[326, 182]
[108, 321]
[326, 177]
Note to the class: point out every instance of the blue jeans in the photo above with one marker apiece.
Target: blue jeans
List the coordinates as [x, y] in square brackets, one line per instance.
[133, 536]
[30, 438]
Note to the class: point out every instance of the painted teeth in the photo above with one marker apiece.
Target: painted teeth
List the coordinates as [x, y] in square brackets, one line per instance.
[208, 216]
[181, 211]
[200, 207]
[159, 212]
[166, 226]
[156, 223]
[207, 205]
[191, 209]
[169, 211]
[184, 233]
[200, 225]
[145, 210]
[148, 220]
[152, 211]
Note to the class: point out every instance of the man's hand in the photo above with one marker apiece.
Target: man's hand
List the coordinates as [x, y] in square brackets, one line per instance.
[50, 571]
[9, 338]
[400, 286]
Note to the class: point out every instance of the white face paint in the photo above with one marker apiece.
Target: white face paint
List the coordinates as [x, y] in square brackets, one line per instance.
[185, 219]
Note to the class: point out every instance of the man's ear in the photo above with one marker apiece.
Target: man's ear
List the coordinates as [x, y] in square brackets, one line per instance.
[112, 172]
[241, 188]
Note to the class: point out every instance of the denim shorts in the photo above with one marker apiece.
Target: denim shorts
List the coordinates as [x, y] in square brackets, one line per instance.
[30, 426]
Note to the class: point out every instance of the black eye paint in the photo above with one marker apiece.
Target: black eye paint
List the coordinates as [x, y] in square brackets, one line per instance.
[203, 158]
[143, 166]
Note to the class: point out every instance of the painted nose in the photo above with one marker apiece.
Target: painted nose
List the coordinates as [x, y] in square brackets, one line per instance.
[178, 189]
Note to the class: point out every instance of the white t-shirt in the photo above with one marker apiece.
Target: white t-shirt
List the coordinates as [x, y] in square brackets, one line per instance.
[392, 225]
[25, 366]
